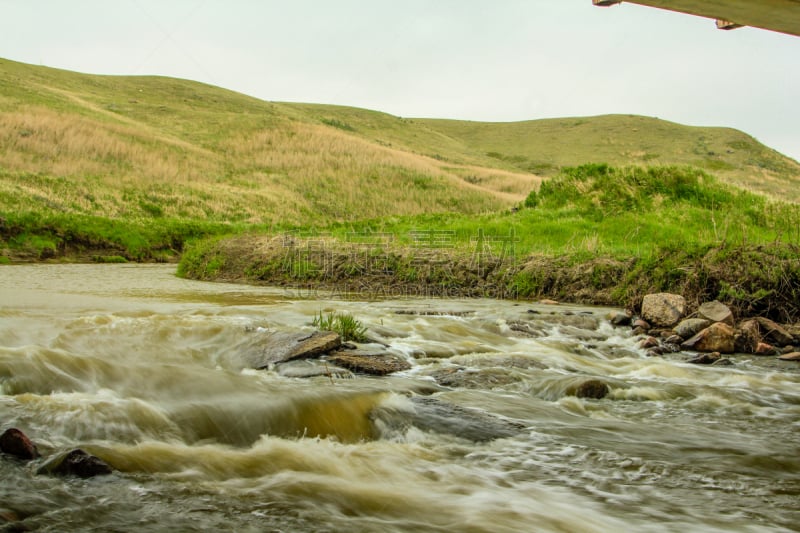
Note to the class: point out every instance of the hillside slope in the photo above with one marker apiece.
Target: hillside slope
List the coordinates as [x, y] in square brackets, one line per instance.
[544, 146]
[151, 147]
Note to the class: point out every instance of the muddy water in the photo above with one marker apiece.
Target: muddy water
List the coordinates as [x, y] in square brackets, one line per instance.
[144, 370]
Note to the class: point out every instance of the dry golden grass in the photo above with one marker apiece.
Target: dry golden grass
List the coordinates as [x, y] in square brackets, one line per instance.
[292, 174]
[152, 147]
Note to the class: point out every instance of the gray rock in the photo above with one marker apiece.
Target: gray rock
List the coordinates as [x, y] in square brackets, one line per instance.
[484, 378]
[619, 319]
[690, 327]
[705, 358]
[432, 414]
[716, 312]
[311, 369]
[774, 332]
[279, 346]
[663, 309]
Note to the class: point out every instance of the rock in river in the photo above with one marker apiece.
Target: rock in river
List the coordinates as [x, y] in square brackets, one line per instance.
[76, 463]
[432, 414]
[275, 347]
[15, 442]
[716, 312]
[376, 364]
[793, 356]
[690, 327]
[718, 337]
[663, 309]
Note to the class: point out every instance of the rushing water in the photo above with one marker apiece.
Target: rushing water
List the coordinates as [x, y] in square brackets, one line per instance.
[142, 369]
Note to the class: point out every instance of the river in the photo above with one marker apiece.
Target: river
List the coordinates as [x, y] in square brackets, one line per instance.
[141, 369]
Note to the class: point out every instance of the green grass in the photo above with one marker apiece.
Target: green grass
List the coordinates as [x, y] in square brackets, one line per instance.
[593, 233]
[348, 327]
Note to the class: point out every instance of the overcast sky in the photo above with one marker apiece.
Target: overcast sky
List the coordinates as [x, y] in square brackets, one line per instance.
[490, 60]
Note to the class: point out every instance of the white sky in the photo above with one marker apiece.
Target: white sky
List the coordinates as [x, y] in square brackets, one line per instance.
[490, 60]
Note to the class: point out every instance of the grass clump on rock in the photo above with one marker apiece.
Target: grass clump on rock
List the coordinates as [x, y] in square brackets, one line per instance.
[348, 327]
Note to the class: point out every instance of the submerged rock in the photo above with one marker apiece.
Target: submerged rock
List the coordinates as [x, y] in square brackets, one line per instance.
[15, 442]
[7, 515]
[619, 319]
[718, 337]
[663, 309]
[312, 369]
[376, 364]
[76, 463]
[438, 416]
[592, 388]
[705, 358]
[649, 342]
[485, 378]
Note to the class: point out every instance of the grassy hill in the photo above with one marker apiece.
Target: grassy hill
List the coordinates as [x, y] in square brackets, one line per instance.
[544, 146]
[83, 157]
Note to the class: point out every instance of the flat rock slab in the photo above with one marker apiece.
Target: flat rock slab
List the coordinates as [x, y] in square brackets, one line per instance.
[438, 416]
[432, 414]
[486, 378]
[376, 364]
[793, 356]
[280, 346]
[312, 369]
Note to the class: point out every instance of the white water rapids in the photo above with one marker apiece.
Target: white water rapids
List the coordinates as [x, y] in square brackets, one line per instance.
[141, 369]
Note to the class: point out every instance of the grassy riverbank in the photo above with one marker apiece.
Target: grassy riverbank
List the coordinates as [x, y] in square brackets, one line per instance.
[592, 234]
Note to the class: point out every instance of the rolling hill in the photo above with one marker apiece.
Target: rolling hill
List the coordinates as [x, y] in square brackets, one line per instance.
[147, 147]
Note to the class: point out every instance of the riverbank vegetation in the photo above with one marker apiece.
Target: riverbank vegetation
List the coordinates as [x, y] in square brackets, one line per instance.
[593, 234]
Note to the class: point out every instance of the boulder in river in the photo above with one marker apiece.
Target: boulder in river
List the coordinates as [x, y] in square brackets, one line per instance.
[690, 327]
[792, 356]
[762, 348]
[619, 319]
[747, 337]
[663, 309]
[15, 442]
[773, 332]
[281, 346]
[591, 388]
[76, 463]
[718, 337]
[716, 312]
